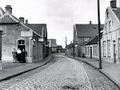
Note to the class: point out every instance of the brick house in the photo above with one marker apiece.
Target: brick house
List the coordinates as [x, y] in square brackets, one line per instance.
[14, 33]
[82, 34]
[111, 34]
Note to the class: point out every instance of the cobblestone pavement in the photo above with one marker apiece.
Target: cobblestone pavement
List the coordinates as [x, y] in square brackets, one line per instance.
[64, 74]
[99, 81]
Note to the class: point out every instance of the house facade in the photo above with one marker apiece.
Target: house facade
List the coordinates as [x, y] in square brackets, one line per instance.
[91, 48]
[16, 34]
[111, 34]
[52, 45]
[83, 33]
[69, 50]
[41, 29]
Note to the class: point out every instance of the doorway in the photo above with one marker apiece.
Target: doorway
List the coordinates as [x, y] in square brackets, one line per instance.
[114, 52]
[0, 44]
[21, 44]
[90, 52]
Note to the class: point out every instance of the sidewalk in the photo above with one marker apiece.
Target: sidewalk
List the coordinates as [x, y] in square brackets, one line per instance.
[14, 70]
[111, 70]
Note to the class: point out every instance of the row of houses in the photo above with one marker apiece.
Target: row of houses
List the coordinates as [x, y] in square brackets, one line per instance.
[18, 33]
[85, 38]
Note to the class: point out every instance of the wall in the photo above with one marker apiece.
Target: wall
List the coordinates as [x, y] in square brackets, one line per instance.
[37, 51]
[111, 33]
[95, 52]
[11, 34]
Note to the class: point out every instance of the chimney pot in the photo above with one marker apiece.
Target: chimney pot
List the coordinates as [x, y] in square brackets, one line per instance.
[90, 22]
[21, 19]
[8, 9]
[26, 21]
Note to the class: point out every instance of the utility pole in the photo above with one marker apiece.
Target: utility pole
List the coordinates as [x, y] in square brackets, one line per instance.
[99, 24]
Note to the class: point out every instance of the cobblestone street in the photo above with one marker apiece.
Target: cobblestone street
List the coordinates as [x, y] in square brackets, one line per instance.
[63, 74]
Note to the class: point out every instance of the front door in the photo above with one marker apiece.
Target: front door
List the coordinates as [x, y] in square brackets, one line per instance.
[114, 52]
[21, 47]
[0, 44]
[21, 44]
[90, 52]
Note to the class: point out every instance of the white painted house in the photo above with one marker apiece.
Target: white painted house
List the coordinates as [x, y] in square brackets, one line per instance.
[111, 34]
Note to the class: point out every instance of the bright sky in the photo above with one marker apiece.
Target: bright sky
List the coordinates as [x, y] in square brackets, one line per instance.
[60, 15]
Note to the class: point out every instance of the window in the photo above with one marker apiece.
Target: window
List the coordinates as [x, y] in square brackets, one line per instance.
[119, 48]
[108, 48]
[21, 42]
[88, 51]
[95, 51]
[104, 49]
[110, 24]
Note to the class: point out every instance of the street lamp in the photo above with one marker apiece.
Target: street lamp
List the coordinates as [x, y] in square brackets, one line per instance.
[100, 61]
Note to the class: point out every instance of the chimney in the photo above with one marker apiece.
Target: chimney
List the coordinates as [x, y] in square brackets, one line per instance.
[8, 9]
[26, 21]
[90, 22]
[113, 3]
[21, 19]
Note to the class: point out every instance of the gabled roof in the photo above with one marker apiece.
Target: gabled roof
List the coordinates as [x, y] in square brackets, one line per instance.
[87, 30]
[117, 12]
[38, 27]
[94, 40]
[8, 19]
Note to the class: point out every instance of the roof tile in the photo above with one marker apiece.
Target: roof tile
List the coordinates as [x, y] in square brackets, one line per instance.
[90, 30]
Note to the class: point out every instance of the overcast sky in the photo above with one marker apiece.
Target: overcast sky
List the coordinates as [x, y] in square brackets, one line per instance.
[60, 15]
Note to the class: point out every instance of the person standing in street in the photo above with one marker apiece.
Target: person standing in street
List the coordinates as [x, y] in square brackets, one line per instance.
[14, 53]
[23, 56]
[19, 55]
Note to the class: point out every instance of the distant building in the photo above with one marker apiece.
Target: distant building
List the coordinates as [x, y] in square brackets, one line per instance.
[60, 49]
[69, 49]
[82, 34]
[111, 34]
[15, 33]
[52, 45]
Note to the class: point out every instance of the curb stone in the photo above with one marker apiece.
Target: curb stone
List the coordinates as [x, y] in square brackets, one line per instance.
[17, 74]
